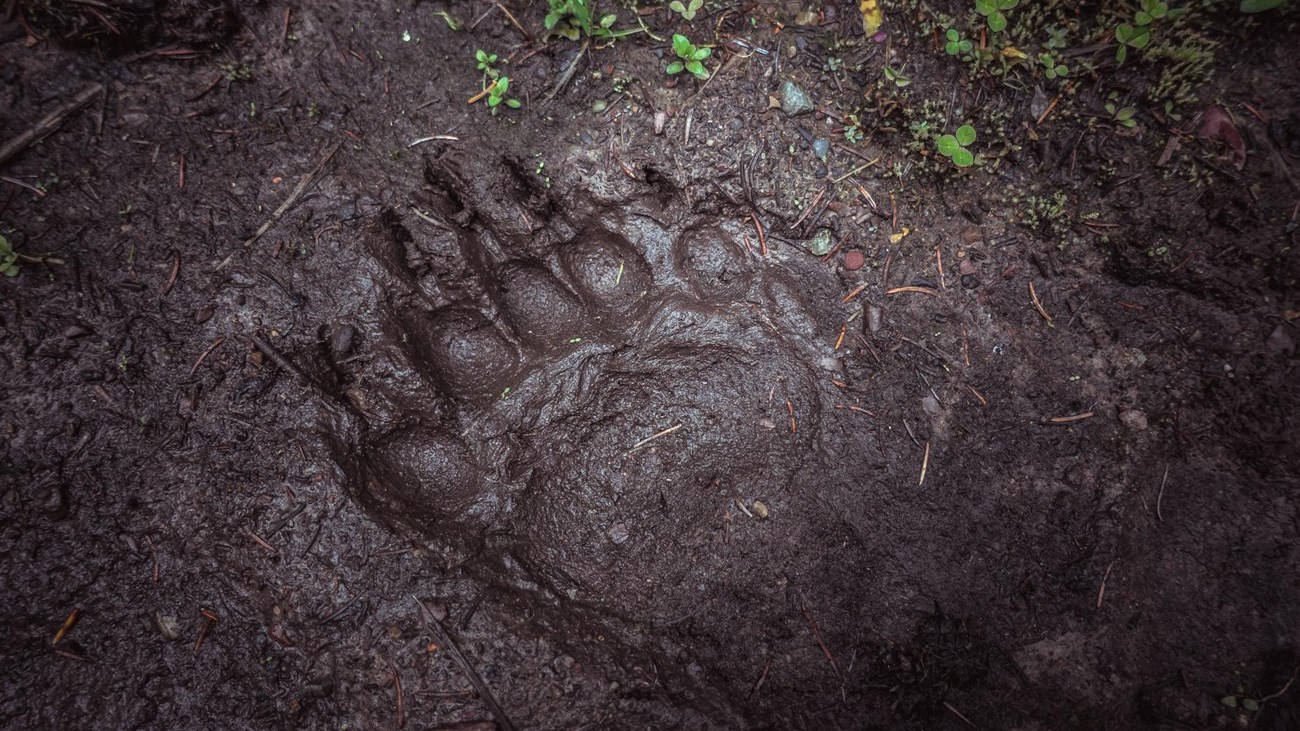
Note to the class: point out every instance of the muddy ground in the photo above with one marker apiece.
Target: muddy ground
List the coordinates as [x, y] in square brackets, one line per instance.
[333, 401]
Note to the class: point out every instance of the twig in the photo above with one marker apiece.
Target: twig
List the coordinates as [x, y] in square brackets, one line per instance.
[957, 713]
[176, 270]
[289, 202]
[807, 613]
[1101, 593]
[918, 290]
[277, 358]
[67, 626]
[49, 122]
[515, 22]
[1278, 694]
[569, 72]
[204, 355]
[1033, 295]
[653, 437]
[39, 193]
[1160, 496]
[855, 171]
[431, 138]
[397, 685]
[925, 464]
[1070, 419]
[762, 237]
[486, 90]
[433, 625]
[258, 540]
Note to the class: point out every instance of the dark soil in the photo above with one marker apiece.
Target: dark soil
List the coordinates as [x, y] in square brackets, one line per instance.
[332, 401]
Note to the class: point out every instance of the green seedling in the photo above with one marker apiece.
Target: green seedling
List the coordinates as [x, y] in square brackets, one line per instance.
[1123, 116]
[497, 95]
[1150, 10]
[688, 10]
[689, 57]
[1051, 68]
[487, 63]
[1055, 39]
[574, 19]
[1128, 36]
[954, 146]
[993, 12]
[955, 43]
[853, 130]
[8, 259]
[897, 77]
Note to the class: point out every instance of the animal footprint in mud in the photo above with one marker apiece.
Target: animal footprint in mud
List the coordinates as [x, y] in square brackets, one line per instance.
[585, 414]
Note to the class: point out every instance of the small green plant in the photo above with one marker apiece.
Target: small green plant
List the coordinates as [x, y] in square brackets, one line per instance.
[496, 94]
[8, 259]
[1052, 68]
[1128, 37]
[1254, 704]
[688, 10]
[237, 71]
[853, 130]
[897, 77]
[1055, 39]
[1137, 35]
[486, 63]
[1150, 10]
[573, 19]
[955, 43]
[954, 146]
[1123, 116]
[689, 57]
[1259, 6]
[993, 12]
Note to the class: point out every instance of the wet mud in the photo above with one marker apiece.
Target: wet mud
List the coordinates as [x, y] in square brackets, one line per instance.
[332, 400]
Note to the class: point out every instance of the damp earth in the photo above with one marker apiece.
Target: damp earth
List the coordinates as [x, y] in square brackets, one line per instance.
[650, 401]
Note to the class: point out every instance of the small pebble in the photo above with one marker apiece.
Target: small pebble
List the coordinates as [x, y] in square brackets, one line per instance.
[437, 608]
[821, 242]
[760, 510]
[1133, 419]
[794, 100]
[821, 148]
[599, 106]
[52, 500]
[167, 626]
[618, 534]
[854, 260]
[875, 318]
[341, 338]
